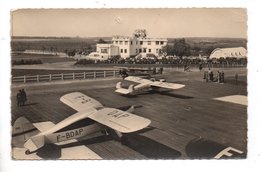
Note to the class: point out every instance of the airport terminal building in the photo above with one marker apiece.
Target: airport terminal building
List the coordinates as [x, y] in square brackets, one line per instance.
[131, 46]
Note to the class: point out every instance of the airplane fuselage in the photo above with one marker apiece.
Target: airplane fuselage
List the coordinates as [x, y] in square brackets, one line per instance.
[73, 134]
[64, 134]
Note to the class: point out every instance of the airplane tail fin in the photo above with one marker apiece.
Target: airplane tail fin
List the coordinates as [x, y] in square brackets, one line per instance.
[22, 126]
[119, 85]
[124, 91]
[131, 88]
[34, 143]
[132, 108]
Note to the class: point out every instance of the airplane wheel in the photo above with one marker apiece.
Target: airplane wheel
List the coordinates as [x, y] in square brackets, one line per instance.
[27, 152]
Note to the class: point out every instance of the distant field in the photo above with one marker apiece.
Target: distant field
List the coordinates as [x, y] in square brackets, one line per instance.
[42, 57]
[59, 44]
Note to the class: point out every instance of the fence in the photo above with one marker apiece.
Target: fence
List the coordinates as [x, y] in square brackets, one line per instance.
[63, 76]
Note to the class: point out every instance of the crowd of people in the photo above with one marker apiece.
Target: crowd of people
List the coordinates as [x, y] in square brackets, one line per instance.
[209, 76]
[21, 98]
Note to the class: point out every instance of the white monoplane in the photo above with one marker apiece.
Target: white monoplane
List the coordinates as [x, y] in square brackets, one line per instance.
[145, 84]
[91, 117]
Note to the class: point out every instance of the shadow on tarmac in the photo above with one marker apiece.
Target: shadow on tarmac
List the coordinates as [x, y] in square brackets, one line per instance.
[50, 151]
[150, 148]
[30, 104]
[167, 93]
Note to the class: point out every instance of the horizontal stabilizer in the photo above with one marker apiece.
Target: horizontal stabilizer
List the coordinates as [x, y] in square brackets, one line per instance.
[43, 126]
[121, 121]
[122, 91]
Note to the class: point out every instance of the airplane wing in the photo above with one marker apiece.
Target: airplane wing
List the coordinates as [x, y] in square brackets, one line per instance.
[116, 119]
[121, 121]
[137, 79]
[166, 85]
[80, 102]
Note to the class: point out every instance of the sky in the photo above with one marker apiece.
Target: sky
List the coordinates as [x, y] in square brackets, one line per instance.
[163, 23]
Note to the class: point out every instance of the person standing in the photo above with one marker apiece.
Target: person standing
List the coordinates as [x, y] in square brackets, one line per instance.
[23, 97]
[222, 77]
[18, 98]
[200, 66]
[236, 77]
[219, 76]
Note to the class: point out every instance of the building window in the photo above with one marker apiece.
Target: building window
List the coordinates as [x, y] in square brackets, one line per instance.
[157, 42]
[140, 50]
[126, 42]
[104, 51]
[149, 50]
[122, 50]
[131, 42]
[144, 50]
[141, 42]
[161, 42]
[120, 42]
[149, 42]
[125, 50]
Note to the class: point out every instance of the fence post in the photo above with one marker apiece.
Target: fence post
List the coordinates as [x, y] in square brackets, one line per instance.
[84, 75]
[50, 77]
[104, 73]
[94, 74]
[38, 79]
[62, 77]
[24, 79]
[114, 73]
[73, 75]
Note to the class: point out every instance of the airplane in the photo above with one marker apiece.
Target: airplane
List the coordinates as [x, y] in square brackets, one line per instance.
[126, 71]
[91, 117]
[145, 84]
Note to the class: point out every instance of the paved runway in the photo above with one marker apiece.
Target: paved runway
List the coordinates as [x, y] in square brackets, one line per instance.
[177, 116]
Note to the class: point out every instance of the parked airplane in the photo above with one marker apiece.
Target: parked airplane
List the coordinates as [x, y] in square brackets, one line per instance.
[145, 84]
[91, 117]
[131, 71]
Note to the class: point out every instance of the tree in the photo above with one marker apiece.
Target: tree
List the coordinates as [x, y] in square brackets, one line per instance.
[181, 48]
[168, 49]
[101, 41]
[208, 50]
[140, 33]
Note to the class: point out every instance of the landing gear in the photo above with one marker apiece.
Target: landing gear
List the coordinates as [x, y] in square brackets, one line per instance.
[27, 152]
[105, 132]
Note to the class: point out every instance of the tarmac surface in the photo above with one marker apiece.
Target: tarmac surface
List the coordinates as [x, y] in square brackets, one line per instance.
[178, 117]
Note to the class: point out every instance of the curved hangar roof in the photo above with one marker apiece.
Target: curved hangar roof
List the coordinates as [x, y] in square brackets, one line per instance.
[238, 52]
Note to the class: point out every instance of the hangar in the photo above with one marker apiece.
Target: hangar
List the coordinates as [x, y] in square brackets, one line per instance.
[236, 52]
